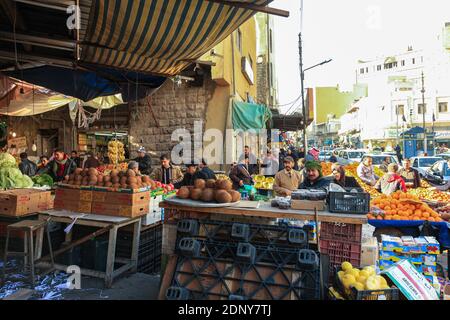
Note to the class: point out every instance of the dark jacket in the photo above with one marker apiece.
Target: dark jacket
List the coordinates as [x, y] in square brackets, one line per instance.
[69, 168]
[145, 164]
[188, 180]
[350, 182]
[206, 174]
[78, 162]
[238, 173]
[91, 162]
[321, 183]
[28, 167]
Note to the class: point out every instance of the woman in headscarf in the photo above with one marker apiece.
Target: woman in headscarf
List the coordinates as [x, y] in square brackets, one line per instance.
[314, 178]
[341, 179]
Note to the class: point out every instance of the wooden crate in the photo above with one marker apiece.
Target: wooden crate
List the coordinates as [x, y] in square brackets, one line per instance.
[21, 202]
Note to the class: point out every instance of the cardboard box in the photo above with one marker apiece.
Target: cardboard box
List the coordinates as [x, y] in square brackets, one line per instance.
[412, 284]
[64, 194]
[369, 252]
[119, 210]
[307, 205]
[429, 259]
[421, 244]
[75, 206]
[433, 246]
[21, 202]
[390, 243]
[121, 198]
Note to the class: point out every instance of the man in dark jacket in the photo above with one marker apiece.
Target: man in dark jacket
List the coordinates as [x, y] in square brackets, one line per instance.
[205, 172]
[314, 178]
[91, 161]
[76, 158]
[26, 166]
[240, 174]
[60, 167]
[189, 176]
[144, 160]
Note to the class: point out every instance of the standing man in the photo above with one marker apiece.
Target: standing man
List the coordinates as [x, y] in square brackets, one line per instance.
[26, 166]
[288, 179]
[270, 164]
[252, 164]
[91, 161]
[365, 172]
[144, 160]
[74, 156]
[167, 173]
[398, 151]
[60, 167]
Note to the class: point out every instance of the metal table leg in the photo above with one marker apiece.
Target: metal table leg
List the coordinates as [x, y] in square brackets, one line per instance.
[135, 247]
[111, 257]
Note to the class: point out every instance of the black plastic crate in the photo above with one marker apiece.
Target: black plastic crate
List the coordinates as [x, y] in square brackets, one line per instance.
[349, 202]
[383, 294]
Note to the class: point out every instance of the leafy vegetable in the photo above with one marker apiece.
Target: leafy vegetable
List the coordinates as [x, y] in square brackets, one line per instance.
[10, 176]
[43, 180]
[7, 160]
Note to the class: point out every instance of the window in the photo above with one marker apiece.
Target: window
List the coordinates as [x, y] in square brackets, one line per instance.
[400, 110]
[250, 61]
[379, 67]
[270, 75]
[416, 163]
[413, 60]
[421, 109]
[361, 70]
[270, 40]
[443, 107]
[403, 63]
[367, 70]
[239, 41]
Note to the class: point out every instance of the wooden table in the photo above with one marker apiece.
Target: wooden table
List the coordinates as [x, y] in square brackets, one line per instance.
[99, 221]
[265, 210]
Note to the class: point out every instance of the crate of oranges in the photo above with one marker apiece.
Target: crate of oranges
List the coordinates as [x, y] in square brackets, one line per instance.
[402, 206]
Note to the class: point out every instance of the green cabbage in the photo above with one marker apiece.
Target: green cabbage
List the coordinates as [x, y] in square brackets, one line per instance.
[12, 178]
[7, 160]
[43, 180]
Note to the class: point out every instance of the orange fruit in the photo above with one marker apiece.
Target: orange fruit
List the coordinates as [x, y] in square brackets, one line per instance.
[438, 219]
[418, 212]
[379, 218]
[396, 217]
[388, 218]
[409, 212]
[387, 208]
[431, 219]
[369, 216]
[426, 215]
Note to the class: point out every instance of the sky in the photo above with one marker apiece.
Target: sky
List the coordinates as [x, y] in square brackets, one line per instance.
[347, 31]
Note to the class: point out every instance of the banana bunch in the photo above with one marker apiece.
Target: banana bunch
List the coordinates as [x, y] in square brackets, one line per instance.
[116, 151]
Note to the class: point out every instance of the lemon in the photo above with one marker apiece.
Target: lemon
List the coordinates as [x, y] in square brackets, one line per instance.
[353, 272]
[382, 280]
[348, 280]
[364, 273]
[370, 270]
[358, 286]
[372, 283]
[361, 279]
[346, 266]
[341, 274]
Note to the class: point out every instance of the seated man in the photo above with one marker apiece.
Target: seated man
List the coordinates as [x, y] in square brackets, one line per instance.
[410, 175]
[167, 173]
[287, 180]
[391, 181]
[189, 176]
[384, 165]
[205, 172]
[365, 172]
[314, 178]
[240, 174]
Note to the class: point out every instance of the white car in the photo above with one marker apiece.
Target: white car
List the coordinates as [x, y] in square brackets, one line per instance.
[422, 164]
[350, 156]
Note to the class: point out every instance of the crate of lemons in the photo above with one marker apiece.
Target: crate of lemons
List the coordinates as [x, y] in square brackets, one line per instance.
[264, 183]
[364, 279]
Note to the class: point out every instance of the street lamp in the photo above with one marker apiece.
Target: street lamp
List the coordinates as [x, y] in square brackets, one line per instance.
[302, 78]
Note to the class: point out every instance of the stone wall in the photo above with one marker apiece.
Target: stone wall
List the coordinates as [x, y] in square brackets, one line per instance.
[173, 107]
[262, 82]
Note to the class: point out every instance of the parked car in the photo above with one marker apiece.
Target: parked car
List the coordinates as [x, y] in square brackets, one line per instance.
[438, 175]
[324, 155]
[378, 158]
[422, 164]
[349, 156]
[445, 156]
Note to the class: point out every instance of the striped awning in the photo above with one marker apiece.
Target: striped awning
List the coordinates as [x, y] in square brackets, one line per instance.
[157, 36]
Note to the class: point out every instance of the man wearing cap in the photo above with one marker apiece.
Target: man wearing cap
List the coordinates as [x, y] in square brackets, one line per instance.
[144, 160]
[314, 178]
[288, 179]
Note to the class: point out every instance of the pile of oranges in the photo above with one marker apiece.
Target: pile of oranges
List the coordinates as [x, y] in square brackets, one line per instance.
[402, 206]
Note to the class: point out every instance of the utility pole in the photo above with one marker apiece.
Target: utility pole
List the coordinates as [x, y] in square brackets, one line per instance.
[302, 78]
[423, 116]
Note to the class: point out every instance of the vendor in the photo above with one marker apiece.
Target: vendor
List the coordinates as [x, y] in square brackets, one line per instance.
[391, 181]
[75, 157]
[288, 179]
[240, 174]
[189, 176]
[314, 178]
[60, 167]
[43, 161]
[26, 166]
[167, 173]
[205, 172]
[341, 179]
[384, 165]
[91, 161]
[410, 175]
[365, 172]
[133, 165]
[144, 160]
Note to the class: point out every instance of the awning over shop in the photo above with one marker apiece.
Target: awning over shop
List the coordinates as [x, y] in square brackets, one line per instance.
[248, 116]
[88, 85]
[24, 99]
[158, 36]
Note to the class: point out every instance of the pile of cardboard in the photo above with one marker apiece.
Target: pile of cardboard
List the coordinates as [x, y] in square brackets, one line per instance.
[20, 202]
[103, 202]
[422, 252]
